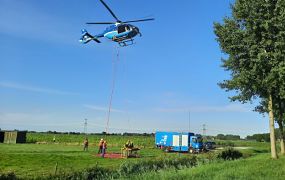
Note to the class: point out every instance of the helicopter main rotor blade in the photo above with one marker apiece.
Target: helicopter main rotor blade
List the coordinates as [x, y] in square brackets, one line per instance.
[100, 23]
[110, 10]
[139, 20]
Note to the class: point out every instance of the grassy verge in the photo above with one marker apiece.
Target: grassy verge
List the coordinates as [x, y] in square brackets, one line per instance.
[256, 167]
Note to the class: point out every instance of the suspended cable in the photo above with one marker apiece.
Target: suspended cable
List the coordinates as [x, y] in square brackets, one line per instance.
[115, 64]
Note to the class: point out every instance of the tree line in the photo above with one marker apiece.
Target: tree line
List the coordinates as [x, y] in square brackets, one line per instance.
[227, 137]
[264, 137]
[253, 40]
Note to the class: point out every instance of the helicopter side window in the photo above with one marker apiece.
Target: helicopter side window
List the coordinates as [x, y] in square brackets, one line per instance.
[121, 28]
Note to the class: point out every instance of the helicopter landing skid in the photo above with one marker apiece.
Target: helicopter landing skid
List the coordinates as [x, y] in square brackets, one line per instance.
[126, 43]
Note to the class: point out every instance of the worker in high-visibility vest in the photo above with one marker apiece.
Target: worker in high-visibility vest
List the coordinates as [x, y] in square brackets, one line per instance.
[129, 144]
[100, 146]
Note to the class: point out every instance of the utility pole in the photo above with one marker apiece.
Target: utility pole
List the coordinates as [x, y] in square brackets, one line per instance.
[204, 130]
[85, 127]
[189, 121]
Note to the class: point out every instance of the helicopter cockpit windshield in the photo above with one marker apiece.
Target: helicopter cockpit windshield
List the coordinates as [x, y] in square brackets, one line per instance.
[124, 28]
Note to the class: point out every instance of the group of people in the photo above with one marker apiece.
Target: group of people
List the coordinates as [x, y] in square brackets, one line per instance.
[102, 146]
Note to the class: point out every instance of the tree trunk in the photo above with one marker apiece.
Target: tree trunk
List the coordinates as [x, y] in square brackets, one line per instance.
[281, 127]
[271, 128]
[282, 145]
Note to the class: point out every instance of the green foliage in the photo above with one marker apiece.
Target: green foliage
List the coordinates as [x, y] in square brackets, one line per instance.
[155, 165]
[265, 137]
[128, 169]
[228, 137]
[229, 154]
[8, 176]
[257, 167]
[91, 173]
[254, 40]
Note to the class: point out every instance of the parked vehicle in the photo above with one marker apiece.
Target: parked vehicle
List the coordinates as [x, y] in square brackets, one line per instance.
[179, 141]
[209, 145]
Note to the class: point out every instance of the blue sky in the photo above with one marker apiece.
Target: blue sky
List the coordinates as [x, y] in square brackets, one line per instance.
[49, 81]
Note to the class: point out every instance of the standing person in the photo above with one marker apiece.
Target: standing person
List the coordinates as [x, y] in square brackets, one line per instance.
[85, 144]
[129, 144]
[53, 139]
[104, 147]
[100, 146]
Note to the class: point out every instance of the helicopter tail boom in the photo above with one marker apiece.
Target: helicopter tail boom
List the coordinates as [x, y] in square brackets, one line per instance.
[86, 37]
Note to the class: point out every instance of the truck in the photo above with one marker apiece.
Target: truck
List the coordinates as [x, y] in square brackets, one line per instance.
[179, 141]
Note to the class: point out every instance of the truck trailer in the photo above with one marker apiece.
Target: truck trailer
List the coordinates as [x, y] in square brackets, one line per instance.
[179, 141]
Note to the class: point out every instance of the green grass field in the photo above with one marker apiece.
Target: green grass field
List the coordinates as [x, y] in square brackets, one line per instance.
[40, 160]
[31, 160]
[77, 139]
[28, 160]
[257, 167]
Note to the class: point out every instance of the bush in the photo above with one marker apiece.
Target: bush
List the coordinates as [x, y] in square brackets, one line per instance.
[91, 173]
[129, 168]
[230, 154]
[155, 165]
[8, 176]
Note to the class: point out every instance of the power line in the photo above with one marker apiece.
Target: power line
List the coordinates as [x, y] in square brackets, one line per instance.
[115, 62]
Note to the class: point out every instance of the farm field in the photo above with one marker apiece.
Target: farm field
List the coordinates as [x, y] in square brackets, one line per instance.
[77, 139]
[40, 159]
[66, 155]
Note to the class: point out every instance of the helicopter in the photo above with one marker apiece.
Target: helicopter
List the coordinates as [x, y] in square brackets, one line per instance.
[120, 31]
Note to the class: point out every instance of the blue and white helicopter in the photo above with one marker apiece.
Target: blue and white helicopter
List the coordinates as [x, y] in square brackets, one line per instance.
[119, 31]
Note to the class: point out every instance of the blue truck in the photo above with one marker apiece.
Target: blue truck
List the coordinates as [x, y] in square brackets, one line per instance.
[179, 141]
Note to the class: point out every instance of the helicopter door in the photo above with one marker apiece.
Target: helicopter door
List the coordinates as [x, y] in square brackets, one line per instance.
[121, 28]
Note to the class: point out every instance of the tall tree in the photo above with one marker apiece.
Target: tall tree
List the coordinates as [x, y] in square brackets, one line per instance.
[279, 115]
[249, 39]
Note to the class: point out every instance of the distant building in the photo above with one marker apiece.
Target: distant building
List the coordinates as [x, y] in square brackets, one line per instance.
[13, 137]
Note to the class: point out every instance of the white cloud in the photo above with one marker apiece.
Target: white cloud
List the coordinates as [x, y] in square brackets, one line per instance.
[100, 108]
[226, 108]
[17, 86]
